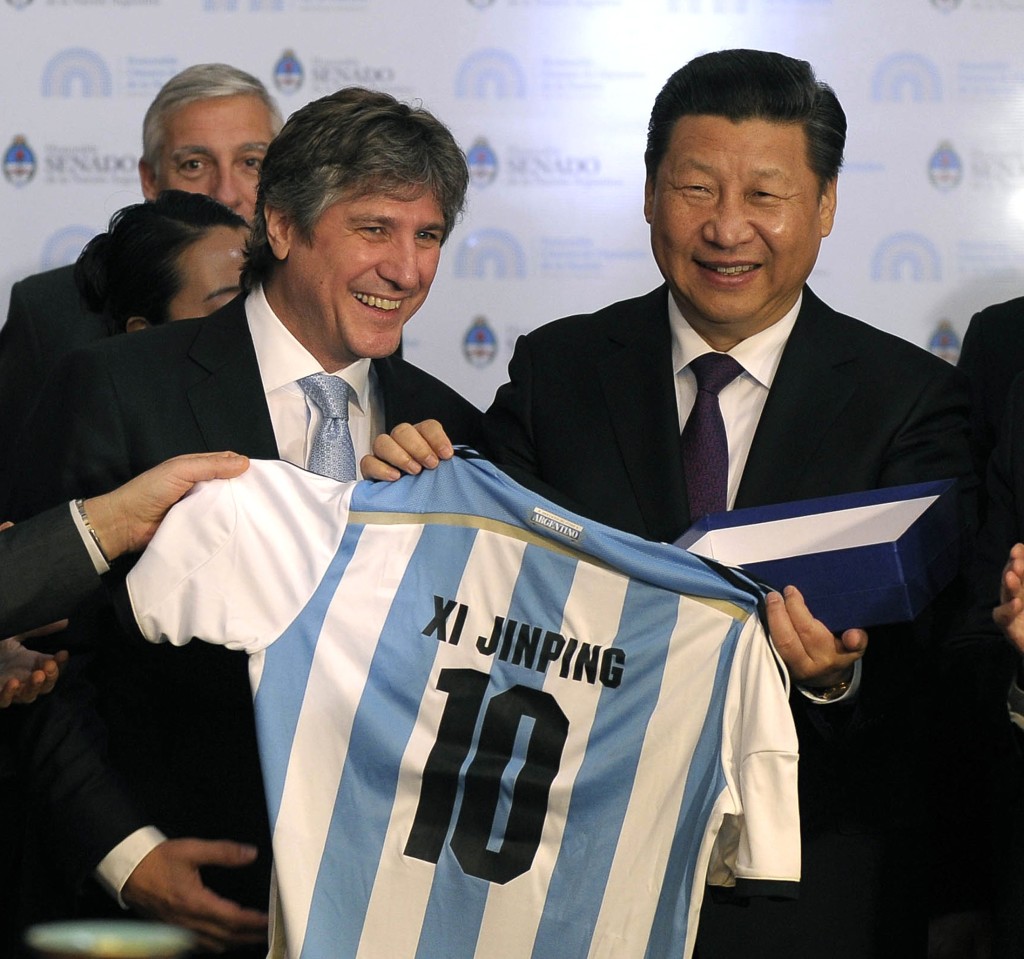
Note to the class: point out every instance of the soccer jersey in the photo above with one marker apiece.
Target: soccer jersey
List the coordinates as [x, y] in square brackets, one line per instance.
[488, 727]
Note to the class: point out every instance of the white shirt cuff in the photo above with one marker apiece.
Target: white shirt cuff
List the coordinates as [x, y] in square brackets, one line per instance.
[118, 864]
[94, 551]
[847, 697]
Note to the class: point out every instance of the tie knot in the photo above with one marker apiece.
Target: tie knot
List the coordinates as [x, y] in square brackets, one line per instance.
[715, 371]
[329, 393]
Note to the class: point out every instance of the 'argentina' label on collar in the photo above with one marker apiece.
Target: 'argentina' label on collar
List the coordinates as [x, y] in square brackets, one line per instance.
[556, 524]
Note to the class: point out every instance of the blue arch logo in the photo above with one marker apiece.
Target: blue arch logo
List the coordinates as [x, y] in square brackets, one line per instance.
[79, 70]
[906, 256]
[490, 252]
[64, 246]
[906, 75]
[490, 73]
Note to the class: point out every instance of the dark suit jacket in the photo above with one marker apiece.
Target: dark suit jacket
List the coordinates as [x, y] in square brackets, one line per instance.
[986, 661]
[992, 356]
[180, 720]
[590, 411]
[45, 571]
[46, 319]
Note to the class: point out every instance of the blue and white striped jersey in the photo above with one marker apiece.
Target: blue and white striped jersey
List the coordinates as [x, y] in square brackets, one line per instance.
[488, 727]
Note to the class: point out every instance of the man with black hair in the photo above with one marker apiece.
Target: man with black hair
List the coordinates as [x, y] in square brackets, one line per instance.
[743, 155]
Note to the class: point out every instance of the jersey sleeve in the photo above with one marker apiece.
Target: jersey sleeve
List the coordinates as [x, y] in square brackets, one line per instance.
[757, 850]
[236, 559]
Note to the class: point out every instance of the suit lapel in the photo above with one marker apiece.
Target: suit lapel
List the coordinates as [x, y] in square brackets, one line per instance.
[227, 398]
[809, 392]
[637, 381]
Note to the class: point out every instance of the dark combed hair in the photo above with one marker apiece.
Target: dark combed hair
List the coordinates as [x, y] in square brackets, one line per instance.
[351, 144]
[752, 85]
[131, 270]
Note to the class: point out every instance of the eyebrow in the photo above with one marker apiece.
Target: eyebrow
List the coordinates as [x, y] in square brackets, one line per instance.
[766, 172]
[191, 149]
[358, 219]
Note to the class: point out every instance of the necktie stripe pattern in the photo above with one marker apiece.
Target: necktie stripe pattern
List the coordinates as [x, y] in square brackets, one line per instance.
[703, 443]
[331, 452]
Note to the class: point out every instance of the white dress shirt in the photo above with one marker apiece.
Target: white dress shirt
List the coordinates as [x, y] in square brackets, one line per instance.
[741, 401]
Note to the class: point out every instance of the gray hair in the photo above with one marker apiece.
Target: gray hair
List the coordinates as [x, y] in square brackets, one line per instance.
[203, 81]
[348, 145]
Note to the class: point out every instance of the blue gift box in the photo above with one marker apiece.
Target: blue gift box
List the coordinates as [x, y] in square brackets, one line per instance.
[859, 559]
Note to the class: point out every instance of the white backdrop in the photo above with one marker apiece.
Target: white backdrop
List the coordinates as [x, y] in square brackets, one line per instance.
[550, 98]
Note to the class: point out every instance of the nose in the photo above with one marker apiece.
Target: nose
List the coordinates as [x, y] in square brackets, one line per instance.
[229, 188]
[400, 266]
[728, 224]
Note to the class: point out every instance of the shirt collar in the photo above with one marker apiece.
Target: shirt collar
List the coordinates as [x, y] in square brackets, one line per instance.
[759, 355]
[283, 359]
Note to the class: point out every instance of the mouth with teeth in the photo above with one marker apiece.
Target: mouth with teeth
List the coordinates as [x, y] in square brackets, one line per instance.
[730, 270]
[377, 302]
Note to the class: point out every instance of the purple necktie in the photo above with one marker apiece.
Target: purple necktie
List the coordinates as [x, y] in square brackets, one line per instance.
[703, 443]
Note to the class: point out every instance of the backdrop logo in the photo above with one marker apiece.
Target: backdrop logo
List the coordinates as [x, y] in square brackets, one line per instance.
[76, 69]
[490, 73]
[906, 73]
[944, 168]
[906, 256]
[713, 6]
[86, 165]
[329, 75]
[490, 251]
[483, 163]
[944, 343]
[19, 162]
[288, 72]
[64, 246]
[550, 167]
[480, 345]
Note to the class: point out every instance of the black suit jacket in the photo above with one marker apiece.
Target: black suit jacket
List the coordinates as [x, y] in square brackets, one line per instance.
[179, 720]
[992, 356]
[45, 571]
[590, 411]
[45, 320]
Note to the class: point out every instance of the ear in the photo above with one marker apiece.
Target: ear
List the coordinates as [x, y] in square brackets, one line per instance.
[827, 207]
[147, 177]
[136, 323]
[649, 198]
[280, 231]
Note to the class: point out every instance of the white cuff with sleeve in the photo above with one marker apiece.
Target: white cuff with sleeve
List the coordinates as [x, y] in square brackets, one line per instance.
[118, 864]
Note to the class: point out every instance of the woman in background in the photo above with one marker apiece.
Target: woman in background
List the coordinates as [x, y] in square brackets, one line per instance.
[173, 258]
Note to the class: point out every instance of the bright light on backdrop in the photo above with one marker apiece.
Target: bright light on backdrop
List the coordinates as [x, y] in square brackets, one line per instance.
[550, 100]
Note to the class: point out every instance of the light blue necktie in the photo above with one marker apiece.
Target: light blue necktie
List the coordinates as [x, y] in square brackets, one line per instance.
[332, 453]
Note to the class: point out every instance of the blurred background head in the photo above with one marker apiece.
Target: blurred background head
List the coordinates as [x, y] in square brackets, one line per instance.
[175, 257]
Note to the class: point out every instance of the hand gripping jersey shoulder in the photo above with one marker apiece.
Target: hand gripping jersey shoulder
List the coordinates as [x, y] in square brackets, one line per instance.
[488, 727]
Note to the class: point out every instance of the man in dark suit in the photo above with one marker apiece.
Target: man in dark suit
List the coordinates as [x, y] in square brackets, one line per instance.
[357, 194]
[992, 356]
[205, 132]
[744, 150]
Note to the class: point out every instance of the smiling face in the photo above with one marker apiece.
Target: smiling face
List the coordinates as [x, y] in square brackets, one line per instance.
[215, 147]
[737, 217]
[347, 292]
